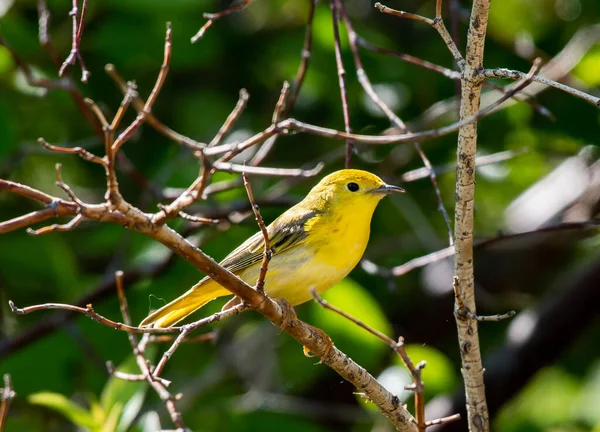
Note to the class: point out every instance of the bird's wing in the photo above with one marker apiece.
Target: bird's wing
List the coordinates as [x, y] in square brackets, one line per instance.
[285, 233]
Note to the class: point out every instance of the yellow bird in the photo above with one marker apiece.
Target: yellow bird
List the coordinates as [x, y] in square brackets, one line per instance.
[315, 244]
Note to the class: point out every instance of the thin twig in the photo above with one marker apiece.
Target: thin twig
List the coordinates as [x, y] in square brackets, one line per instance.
[517, 75]
[418, 386]
[267, 171]
[212, 17]
[480, 161]
[341, 72]
[268, 253]
[370, 91]
[7, 394]
[415, 263]
[139, 352]
[463, 312]
[231, 119]
[187, 329]
[75, 54]
[138, 104]
[160, 80]
[80, 151]
[304, 58]
[437, 24]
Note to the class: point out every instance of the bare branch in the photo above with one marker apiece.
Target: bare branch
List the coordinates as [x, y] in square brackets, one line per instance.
[334, 5]
[468, 337]
[139, 103]
[268, 253]
[231, 119]
[463, 312]
[80, 151]
[516, 75]
[212, 17]
[436, 23]
[75, 54]
[304, 58]
[7, 394]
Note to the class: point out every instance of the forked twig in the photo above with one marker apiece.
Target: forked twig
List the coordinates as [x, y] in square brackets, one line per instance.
[75, 54]
[418, 386]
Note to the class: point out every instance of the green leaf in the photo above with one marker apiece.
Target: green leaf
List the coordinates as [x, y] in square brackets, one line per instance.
[355, 300]
[66, 407]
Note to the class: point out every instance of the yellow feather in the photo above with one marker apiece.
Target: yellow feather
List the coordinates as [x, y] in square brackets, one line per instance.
[315, 244]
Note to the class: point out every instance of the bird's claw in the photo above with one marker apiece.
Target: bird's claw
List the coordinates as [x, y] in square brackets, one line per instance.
[328, 345]
[289, 313]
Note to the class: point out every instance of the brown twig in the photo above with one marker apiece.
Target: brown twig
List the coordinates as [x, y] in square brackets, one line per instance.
[462, 312]
[75, 54]
[160, 80]
[212, 17]
[304, 58]
[268, 253]
[480, 161]
[267, 171]
[158, 384]
[341, 72]
[138, 104]
[418, 386]
[7, 394]
[517, 75]
[437, 23]
[415, 263]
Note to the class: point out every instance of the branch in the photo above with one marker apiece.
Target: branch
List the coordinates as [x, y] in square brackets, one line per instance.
[437, 23]
[268, 252]
[212, 17]
[159, 385]
[468, 337]
[335, 6]
[75, 54]
[418, 386]
[7, 394]
[516, 75]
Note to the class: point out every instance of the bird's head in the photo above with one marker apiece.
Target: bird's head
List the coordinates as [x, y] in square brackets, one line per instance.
[351, 187]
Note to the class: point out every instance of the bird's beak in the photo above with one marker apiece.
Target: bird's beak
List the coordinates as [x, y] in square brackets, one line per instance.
[386, 189]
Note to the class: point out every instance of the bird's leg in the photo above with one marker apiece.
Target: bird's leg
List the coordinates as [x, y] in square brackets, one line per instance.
[326, 340]
[289, 314]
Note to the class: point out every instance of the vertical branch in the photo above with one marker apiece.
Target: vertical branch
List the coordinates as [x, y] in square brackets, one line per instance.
[6, 396]
[341, 77]
[471, 83]
[267, 254]
[305, 58]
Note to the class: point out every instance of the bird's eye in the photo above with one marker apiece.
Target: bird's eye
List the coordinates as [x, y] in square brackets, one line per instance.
[352, 187]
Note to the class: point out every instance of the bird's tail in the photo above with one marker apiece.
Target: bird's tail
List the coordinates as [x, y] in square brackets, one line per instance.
[178, 309]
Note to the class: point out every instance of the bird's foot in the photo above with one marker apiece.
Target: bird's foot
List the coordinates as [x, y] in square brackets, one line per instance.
[289, 313]
[326, 340]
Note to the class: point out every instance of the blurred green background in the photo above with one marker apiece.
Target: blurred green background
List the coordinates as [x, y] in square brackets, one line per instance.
[543, 367]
